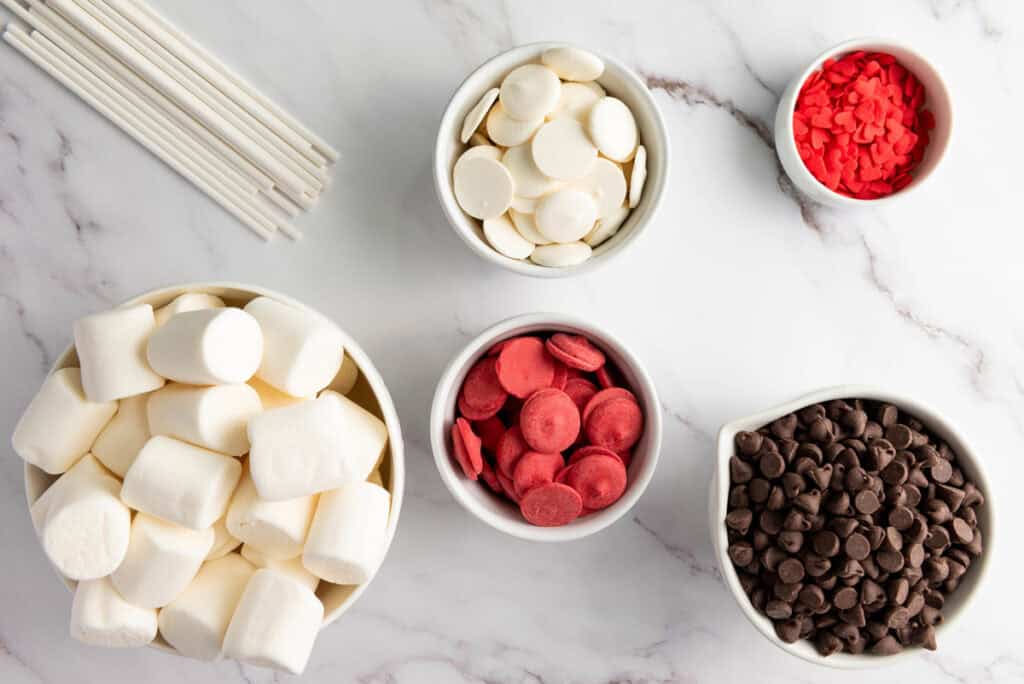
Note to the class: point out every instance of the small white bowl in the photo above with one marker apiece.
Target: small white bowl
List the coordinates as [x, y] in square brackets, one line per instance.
[621, 82]
[370, 392]
[937, 99]
[967, 458]
[500, 513]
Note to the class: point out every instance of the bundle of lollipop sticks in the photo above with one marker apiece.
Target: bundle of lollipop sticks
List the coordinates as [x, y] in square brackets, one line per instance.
[181, 103]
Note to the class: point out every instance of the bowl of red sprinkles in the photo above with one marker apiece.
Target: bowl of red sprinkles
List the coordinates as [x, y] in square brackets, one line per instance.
[546, 427]
[867, 121]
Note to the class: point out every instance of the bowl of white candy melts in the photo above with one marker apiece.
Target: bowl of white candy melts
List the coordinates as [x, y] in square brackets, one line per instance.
[551, 159]
[215, 470]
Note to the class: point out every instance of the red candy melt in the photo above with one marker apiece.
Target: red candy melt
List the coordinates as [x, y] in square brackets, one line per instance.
[546, 389]
[860, 125]
[550, 421]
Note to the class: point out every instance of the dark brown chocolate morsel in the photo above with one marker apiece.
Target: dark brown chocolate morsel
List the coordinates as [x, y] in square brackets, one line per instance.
[740, 471]
[778, 610]
[845, 598]
[899, 435]
[857, 546]
[739, 520]
[828, 643]
[791, 571]
[789, 630]
[887, 645]
[748, 443]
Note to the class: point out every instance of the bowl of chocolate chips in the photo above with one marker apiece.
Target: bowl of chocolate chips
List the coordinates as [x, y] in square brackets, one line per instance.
[852, 525]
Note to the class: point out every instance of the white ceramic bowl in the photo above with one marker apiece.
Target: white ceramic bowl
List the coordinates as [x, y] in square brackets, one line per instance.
[937, 99]
[500, 513]
[621, 82]
[967, 458]
[369, 392]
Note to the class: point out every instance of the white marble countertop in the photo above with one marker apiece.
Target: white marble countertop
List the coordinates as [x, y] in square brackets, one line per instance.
[739, 297]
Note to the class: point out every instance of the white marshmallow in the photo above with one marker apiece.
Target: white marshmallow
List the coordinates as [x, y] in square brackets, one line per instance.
[207, 347]
[573, 64]
[275, 623]
[483, 187]
[181, 483]
[302, 350]
[210, 417]
[60, 424]
[195, 622]
[638, 177]
[162, 559]
[346, 378]
[504, 238]
[613, 129]
[223, 542]
[527, 227]
[508, 132]
[561, 149]
[292, 567]
[111, 349]
[607, 227]
[313, 446]
[607, 184]
[272, 398]
[530, 182]
[530, 91]
[190, 301]
[477, 113]
[346, 541]
[276, 528]
[83, 526]
[119, 442]
[101, 617]
[561, 256]
[566, 215]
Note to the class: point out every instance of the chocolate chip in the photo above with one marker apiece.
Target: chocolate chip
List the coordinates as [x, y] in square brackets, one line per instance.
[897, 590]
[822, 431]
[815, 565]
[901, 517]
[740, 471]
[776, 499]
[789, 630]
[951, 495]
[778, 610]
[866, 502]
[895, 473]
[811, 596]
[791, 571]
[797, 521]
[857, 479]
[880, 453]
[771, 557]
[938, 538]
[739, 520]
[890, 561]
[784, 427]
[748, 443]
[899, 435]
[822, 475]
[793, 484]
[741, 553]
[826, 543]
[887, 415]
[938, 511]
[787, 591]
[845, 598]
[809, 502]
[913, 555]
[808, 414]
[770, 522]
[931, 615]
[923, 636]
[887, 645]
[772, 465]
[791, 541]
[828, 643]
[854, 616]
[838, 503]
[857, 546]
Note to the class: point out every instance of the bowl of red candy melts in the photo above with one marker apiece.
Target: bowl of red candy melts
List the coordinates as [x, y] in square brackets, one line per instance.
[546, 428]
[867, 121]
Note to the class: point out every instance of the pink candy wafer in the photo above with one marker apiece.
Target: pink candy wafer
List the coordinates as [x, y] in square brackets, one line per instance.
[534, 469]
[575, 351]
[524, 366]
[599, 479]
[616, 424]
[551, 505]
[467, 448]
[550, 421]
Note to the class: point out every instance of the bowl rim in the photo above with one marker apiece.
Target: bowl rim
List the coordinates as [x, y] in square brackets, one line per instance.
[366, 368]
[718, 504]
[457, 483]
[458, 220]
[787, 105]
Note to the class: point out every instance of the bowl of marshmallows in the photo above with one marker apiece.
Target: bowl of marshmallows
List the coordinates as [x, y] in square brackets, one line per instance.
[550, 159]
[215, 470]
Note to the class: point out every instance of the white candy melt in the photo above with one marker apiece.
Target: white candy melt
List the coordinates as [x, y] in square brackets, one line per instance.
[607, 227]
[561, 149]
[292, 567]
[60, 423]
[195, 622]
[523, 205]
[566, 215]
[223, 542]
[162, 559]
[561, 256]
[347, 539]
[190, 301]
[486, 151]
[527, 227]
[573, 64]
[638, 177]
[477, 113]
[346, 378]
[483, 187]
[211, 417]
[275, 623]
[506, 131]
[504, 237]
[271, 397]
[207, 347]
[576, 101]
[314, 446]
[101, 617]
[302, 351]
[276, 528]
[181, 483]
[479, 138]
[613, 129]
[607, 184]
[529, 92]
[83, 526]
[111, 349]
[119, 442]
[530, 182]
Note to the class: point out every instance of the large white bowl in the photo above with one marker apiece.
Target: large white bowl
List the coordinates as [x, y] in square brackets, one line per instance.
[499, 512]
[369, 392]
[620, 81]
[967, 458]
[937, 99]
